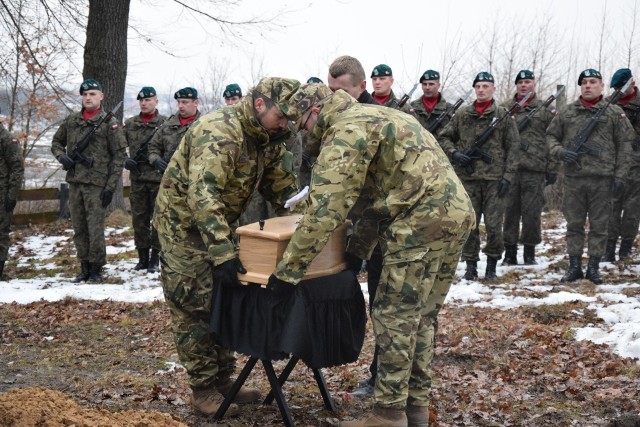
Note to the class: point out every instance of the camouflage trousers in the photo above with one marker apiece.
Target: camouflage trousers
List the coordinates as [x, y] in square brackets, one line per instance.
[625, 215]
[143, 200]
[587, 197]
[5, 228]
[485, 200]
[525, 200]
[257, 208]
[187, 282]
[87, 217]
[405, 310]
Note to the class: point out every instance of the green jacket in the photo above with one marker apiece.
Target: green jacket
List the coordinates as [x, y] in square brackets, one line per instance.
[427, 119]
[107, 149]
[166, 140]
[137, 132]
[613, 135]
[632, 110]
[12, 166]
[503, 144]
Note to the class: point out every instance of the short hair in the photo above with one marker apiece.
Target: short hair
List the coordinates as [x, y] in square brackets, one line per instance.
[347, 65]
[268, 102]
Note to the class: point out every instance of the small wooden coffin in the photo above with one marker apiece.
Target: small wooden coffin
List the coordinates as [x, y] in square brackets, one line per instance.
[261, 250]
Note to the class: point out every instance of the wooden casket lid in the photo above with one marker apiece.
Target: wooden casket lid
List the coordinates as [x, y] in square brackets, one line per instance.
[276, 229]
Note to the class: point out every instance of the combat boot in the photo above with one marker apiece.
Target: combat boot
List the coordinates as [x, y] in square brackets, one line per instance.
[154, 262]
[143, 260]
[244, 395]
[95, 276]
[85, 272]
[625, 248]
[380, 417]
[207, 401]
[610, 251]
[417, 416]
[2, 271]
[490, 272]
[472, 270]
[530, 255]
[592, 270]
[575, 270]
[510, 255]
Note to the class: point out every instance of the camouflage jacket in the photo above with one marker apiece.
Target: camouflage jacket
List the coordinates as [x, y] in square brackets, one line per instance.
[223, 158]
[166, 140]
[12, 168]
[632, 110]
[534, 152]
[415, 197]
[107, 149]
[427, 119]
[137, 132]
[613, 134]
[503, 144]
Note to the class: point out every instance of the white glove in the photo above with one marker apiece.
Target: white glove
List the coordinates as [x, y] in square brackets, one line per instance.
[292, 202]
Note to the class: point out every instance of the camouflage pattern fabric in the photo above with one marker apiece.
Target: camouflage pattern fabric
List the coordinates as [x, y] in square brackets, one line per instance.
[525, 200]
[11, 177]
[484, 196]
[426, 118]
[136, 133]
[166, 140]
[87, 217]
[143, 200]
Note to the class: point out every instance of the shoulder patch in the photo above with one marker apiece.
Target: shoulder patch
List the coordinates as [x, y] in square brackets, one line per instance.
[14, 141]
[114, 126]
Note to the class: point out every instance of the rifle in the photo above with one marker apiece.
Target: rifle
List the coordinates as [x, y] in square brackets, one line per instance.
[475, 152]
[527, 119]
[449, 112]
[142, 155]
[407, 96]
[580, 145]
[76, 155]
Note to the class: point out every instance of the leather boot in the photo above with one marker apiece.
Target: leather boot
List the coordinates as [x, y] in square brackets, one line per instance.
[490, 272]
[592, 270]
[207, 401]
[575, 270]
[154, 262]
[85, 272]
[625, 248]
[380, 417]
[417, 416]
[244, 395]
[472, 270]
[610, 251]
[95, 276]
[510, 255]
[143, 260]
[530, 255]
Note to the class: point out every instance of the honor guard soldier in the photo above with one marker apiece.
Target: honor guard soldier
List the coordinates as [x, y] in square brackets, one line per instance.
[232, 94]
[431, 104]
[382, 80]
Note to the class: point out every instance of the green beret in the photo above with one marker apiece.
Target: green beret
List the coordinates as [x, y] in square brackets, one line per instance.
[186, 93]
[146, 92]
[429, 75]
[620, 78]
[382, 70]
[483, 76]
[280, 91]
[232, 90]
[306, 97]
[589, 72]
[314, 80]
[90, 84]
[525, 75]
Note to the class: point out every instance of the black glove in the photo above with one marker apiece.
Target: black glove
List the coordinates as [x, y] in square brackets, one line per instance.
[131, 165]
[570, 156]
[280, 287]
[105, 197]
[160, 164]
[9, 204]
[67, 162]
[617, 187]
[354, 263]
[503, 187]
[461, 158]
[550, 178]
[227, 272]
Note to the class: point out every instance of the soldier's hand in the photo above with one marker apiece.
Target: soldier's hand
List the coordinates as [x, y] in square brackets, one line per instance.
[461, 158]
[161, 165]
[280, 287]
[503, 187]
[10, 204]
[131, 165]
[550, 178]
[570, 156]
[105, 197]
[354, 263]
[617, 187]
[226, 273]
[66, 161]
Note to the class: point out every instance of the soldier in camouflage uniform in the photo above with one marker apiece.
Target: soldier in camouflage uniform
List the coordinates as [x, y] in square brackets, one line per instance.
[625, 217]
[420, 214]
[90, 188]
[431, 104]
[232, 94]
[536, 169]
[11, 177]
[223, 158]
[590, 180]
[145, 179]
[489, 183]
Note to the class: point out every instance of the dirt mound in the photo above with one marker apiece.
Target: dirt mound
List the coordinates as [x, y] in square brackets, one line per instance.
[42, 407]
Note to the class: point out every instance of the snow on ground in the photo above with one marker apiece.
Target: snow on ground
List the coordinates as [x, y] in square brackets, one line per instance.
[537, 286]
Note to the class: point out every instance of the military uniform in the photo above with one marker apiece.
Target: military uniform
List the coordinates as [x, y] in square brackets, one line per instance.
[427, 118]
[166, 140]
[418, 212]
[11, 177]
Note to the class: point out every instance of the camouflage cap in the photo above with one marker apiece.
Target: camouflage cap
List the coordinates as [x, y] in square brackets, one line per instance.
[483, 76]
[620, 78]
[232, 90]
[90, 84]
[429, 75]
[146, 92]
[589, 72]
[186, 93]
[307, 96]
[314, 80]
[280, 90]
[525, 75]
[382, 70]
